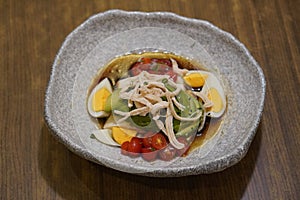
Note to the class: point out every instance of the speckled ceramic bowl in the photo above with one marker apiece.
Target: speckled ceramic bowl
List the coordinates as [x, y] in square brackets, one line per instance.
[107, 35]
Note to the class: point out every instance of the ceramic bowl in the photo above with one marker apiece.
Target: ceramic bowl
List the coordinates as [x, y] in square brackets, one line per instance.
[113, 33]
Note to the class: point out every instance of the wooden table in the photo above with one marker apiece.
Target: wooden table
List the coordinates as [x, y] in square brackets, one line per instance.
[34, 165]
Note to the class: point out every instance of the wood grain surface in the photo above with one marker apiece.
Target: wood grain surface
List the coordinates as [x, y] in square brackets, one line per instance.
[34, 165]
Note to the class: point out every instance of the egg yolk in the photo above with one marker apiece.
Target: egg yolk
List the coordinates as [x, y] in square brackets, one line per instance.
[195, 79]
[215, 97]
[99, 99]
[122, 135]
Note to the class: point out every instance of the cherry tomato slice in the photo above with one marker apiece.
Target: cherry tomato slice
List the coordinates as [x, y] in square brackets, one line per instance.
[149, 154]
[124, 148]
[147, 142]
[158, 141]
[146, 60]
[154, 66]
[147, 139]
[167, 153]
[135, 70]
[134, 147]
[162, 61]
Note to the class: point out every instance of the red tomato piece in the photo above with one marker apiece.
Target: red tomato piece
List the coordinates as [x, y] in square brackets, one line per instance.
[134, 147]
[158, 141]
[154, 66]
[146, 60]
[144, 67]
[135, 70]
[167, 153]
[163, 61]
[147, 142]
[149, 154]
[147, 139]
[124, 148]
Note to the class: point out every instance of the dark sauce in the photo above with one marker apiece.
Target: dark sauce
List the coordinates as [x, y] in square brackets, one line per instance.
[119, 67]
[211, 127]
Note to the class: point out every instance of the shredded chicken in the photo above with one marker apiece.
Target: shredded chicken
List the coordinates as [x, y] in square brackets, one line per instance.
[145, 92]
[201, 126]
[177, 104]
[169, 131]
[207, 102]
[177, 70]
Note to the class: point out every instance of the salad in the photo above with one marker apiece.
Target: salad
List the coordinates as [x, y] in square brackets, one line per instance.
[154, 108]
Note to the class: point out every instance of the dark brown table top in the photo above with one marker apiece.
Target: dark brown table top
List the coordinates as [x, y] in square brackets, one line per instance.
[34, 165]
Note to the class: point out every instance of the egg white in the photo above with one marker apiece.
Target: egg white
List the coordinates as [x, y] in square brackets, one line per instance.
[212, 82]
[105, 136]
[103, 84]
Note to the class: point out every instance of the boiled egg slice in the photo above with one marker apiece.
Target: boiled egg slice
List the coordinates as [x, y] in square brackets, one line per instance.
[195, 79]
[105, 136]
[211, 87]
[98, 97]
[215, 93]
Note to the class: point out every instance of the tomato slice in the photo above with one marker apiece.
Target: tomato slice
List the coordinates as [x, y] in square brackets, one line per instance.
[147, 139]
[153, 66]
[124, 148]
[158, 141]
[134, 147]
[146, 60]
[167, 153]
[163, 61]
[149, 154]
[135, 70]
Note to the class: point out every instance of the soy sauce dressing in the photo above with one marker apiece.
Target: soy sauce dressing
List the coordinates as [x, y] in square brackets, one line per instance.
[119, 67]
